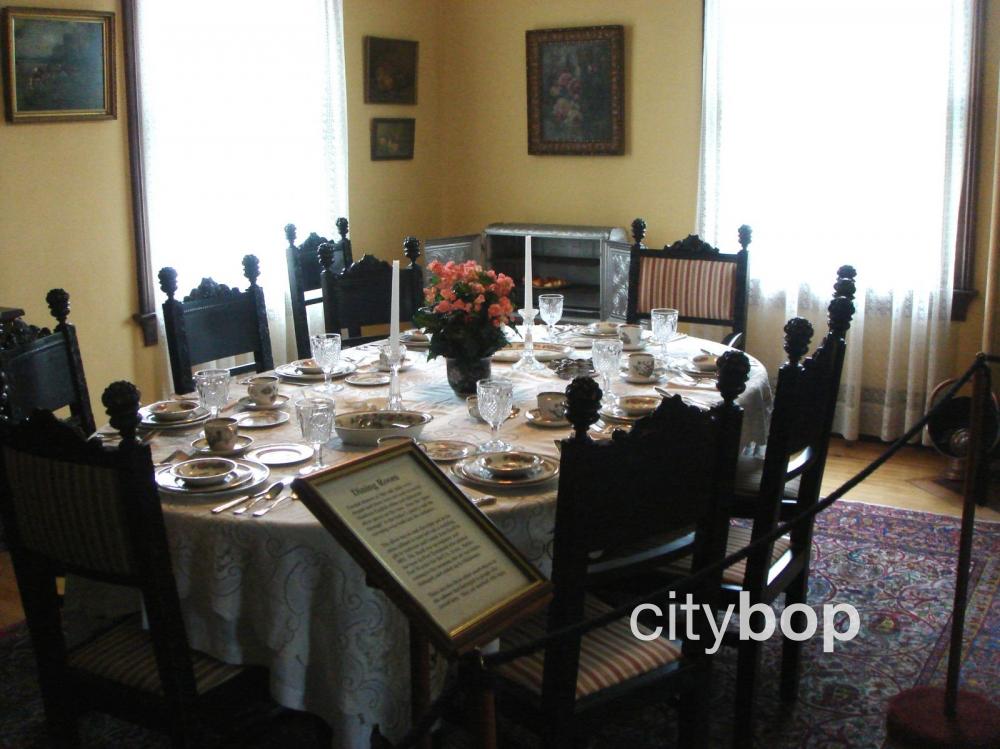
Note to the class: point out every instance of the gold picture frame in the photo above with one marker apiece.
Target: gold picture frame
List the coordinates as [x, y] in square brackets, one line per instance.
[421, 541]
[59, 65]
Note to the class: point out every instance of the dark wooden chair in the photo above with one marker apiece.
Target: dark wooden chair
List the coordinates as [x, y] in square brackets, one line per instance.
[303, 276]
[787, 481]
[674, 471]
[702, 284]
[40, 368]
[213, 322]
[71, 504]
[361, 294]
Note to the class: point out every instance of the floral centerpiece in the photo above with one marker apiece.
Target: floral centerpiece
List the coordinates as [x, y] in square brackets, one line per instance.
[467, 310]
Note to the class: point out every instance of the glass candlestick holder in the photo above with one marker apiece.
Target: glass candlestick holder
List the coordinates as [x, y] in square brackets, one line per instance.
[528, 362]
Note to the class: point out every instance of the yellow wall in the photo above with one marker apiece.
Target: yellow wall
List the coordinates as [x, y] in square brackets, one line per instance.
[65, 220]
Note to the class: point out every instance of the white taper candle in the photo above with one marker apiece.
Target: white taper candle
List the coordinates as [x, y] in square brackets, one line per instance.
[394, 310]
[527, 272]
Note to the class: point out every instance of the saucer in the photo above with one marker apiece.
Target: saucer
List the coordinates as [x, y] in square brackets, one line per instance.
[472, 471]
[535, 417]
[248, 405]
[281, 453]
[260, 419]
[368, 379]
[242, 443]
[543, 351]
[657, 376]
[444, 451]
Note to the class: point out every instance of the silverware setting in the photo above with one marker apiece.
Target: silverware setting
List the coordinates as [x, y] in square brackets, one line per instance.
[271, 492]
[274, 505]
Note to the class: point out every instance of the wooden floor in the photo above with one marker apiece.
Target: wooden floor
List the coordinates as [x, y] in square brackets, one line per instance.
[907, 481]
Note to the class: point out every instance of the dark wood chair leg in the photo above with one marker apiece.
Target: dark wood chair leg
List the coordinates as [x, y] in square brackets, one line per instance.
[791, 651]
[693, 718]
[748, 664]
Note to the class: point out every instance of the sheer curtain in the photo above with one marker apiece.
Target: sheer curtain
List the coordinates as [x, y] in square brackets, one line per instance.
[244, 130]
[837, 130]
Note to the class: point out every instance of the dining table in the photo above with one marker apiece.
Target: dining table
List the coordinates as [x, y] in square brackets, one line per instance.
[277, 590]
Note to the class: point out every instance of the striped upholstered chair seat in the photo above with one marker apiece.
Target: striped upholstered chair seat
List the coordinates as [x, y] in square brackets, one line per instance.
[703, 289]
[608, 656]
[749, 472]
[739, 536]
[125, 655]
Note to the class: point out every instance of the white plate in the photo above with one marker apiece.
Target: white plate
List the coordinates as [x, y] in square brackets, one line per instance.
[368, 379]
[250, 475]
[444, 451]
[535, 418]
[149, 422]
[657, 376]
[543, 352]
[618, 417]
[281, 453]
[248, 405]
[473, 472]
[384, 366]
[592, 332]
[294, 374]
[260, 419]
[242, 443]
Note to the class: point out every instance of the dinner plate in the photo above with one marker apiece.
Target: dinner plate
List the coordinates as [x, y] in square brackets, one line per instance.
[260, 419]
[445, 451]
[242, 443]
[543, 352]
[248, 405]
[292, 373]
[472, 471]
[592, 331]
[618, 416]
[368, 379]
[414, 343]
[148, 421]
[249, 475]
[281, 453]
[535, 417]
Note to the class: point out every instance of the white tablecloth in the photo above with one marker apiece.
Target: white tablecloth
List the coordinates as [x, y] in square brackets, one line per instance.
[279, 592]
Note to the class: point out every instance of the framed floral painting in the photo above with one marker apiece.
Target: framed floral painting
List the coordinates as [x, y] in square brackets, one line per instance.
[392, 138]
[576, 91]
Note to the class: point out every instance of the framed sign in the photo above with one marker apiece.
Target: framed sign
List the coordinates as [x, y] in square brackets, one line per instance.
[390, 71]
[421, 540]
[576, 91]
[392, 138]
[58, 65]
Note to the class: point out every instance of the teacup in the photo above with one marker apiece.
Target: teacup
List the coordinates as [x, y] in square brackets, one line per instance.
[630, 334]
[552, 405]
[605, 326]
[221, 434]
[263, 390]
[641, 364]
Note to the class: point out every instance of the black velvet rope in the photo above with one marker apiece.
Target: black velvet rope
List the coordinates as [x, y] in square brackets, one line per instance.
[493, 660]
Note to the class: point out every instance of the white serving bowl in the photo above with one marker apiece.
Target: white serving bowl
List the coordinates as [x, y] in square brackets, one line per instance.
[368, 427]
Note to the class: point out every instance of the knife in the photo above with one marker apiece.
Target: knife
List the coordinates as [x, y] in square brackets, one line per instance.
[238, 500]
[272, 491]
[278, 503]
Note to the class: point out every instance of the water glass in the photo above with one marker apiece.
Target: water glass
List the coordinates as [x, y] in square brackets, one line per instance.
[550, 307]
[664, 322]
[495, 397]
[213, 388]
[326, 352]
[607, 354]
[316, 422]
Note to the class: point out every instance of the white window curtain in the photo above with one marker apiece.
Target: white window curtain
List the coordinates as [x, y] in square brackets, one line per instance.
[837, 129]
[244, 131]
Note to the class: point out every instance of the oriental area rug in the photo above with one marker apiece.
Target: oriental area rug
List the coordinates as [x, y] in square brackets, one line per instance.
[896, 567]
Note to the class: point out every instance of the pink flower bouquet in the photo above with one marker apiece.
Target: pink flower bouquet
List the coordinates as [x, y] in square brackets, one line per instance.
[467, 309]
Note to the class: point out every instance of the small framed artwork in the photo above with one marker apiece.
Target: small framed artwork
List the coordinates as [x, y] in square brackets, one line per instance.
[576, 91]
[390, 71]
[392, 138]
[59, 65]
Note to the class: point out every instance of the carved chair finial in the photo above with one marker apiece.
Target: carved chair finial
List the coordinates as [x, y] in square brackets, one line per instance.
[325, 253]
[745, 235]
[121, 399]
[734, 368]
[168, 281]
[411, 248]
[58, 301]
[841, 309]
[290, 234]
[638, 232]
[342, 227]
[798, 334]
[583, 397]
[251, 268]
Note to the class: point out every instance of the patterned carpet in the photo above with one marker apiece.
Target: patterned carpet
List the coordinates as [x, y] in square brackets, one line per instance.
[895, 566]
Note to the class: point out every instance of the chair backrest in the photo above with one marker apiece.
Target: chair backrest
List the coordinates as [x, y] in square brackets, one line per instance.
[213, 322]
[805, 401]
[43, 369]
[674, 470]
[701, 283]
[72, 505]
[303, 276]
[360, 295]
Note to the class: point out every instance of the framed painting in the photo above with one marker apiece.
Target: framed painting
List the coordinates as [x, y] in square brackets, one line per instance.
[392, 138]
[59, 65]
[390, 71]
[576, 91]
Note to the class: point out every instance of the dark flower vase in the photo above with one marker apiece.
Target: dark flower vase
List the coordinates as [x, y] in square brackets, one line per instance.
[463, 374]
